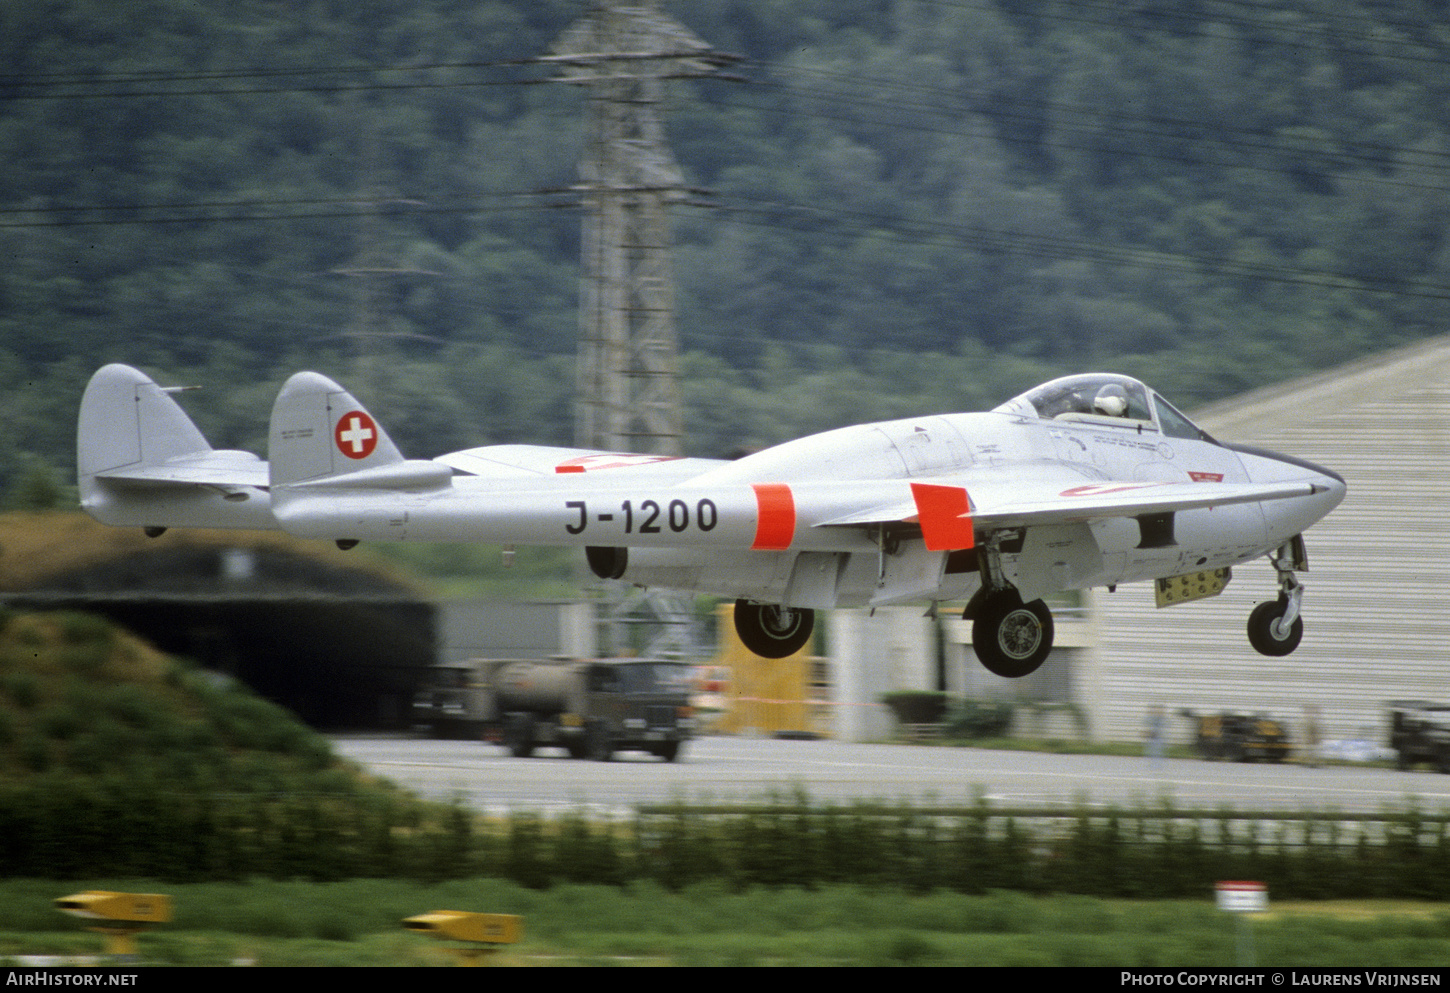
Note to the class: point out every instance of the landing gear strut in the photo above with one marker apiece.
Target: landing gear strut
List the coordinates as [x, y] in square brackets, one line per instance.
[1275, 627]
[773, 631]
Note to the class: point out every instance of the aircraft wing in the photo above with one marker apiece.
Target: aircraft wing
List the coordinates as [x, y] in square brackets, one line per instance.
[950, 514]
[1000, 506]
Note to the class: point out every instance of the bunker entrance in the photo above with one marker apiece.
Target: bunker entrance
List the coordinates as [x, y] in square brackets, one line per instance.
[342, 647]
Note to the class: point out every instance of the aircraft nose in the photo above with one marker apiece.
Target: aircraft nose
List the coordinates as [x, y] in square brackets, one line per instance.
[1265, 466]
[1289, 467]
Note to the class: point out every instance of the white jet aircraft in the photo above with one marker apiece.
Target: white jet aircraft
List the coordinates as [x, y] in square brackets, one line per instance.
[1089, 480]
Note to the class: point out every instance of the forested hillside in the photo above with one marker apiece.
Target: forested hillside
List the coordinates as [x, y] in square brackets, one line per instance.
[914, 205]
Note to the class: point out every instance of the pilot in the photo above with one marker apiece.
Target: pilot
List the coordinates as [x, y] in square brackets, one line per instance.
[1112, 400]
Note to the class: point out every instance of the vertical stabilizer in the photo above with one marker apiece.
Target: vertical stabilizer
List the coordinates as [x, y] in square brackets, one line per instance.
[321, 436]
[127, 421]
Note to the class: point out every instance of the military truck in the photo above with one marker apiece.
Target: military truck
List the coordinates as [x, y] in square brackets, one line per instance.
[1239, 737]
[591, 708]
[447, 704]
[1420, 732]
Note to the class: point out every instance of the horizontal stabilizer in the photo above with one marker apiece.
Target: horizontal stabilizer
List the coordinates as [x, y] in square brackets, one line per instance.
[218, 467]
[406, 475]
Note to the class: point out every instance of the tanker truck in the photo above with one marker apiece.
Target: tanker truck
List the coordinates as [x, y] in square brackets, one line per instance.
[590, 708]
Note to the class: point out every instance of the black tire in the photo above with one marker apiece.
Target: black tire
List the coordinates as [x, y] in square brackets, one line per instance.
[518, 735]
[599, 743]
[772, 631]
[1261, 629]
[1012, 638]
[669, 751]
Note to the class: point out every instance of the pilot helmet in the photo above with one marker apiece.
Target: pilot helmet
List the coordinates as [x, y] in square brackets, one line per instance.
[1111, 400]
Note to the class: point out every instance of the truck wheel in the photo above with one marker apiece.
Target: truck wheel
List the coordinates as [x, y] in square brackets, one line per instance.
[669, 751]
[599, 743]
[518, 735]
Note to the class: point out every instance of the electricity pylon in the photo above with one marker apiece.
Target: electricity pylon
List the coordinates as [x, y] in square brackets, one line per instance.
[628, 395]
[628, 389]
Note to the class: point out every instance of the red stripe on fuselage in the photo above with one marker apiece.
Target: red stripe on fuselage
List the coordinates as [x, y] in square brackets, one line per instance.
[775, 516]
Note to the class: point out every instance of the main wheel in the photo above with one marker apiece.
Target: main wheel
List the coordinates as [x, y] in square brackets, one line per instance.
[1261, 629]
[1012, 638]
[772, 631]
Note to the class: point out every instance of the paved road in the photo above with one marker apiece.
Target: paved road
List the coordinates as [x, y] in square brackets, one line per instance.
[741, 769]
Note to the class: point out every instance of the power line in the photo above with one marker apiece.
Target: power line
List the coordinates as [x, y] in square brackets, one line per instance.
[395, 209]
[843, 222]
[1032, 112]
[1114, 14]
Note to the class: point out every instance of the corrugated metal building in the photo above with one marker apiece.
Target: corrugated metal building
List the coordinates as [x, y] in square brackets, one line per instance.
[1377, 620]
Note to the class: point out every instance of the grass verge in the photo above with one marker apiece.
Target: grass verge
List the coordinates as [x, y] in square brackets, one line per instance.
[358, 923]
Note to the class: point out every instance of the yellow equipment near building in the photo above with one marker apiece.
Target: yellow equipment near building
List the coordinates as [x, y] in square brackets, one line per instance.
[770, 696]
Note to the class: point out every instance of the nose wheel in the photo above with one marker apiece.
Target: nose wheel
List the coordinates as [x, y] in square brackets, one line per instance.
[1275, 628]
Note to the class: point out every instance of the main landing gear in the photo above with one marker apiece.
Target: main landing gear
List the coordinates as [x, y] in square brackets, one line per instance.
[773, 631]
[1011, 638]
[1275, 627]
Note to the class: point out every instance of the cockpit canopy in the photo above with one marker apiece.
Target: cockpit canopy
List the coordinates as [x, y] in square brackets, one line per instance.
[1106, 399]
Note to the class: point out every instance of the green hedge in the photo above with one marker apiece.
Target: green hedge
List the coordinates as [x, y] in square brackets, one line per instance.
[1155, 852]
[61, 827]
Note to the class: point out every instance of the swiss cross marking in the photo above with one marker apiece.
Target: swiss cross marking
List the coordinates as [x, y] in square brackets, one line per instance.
[356, 435]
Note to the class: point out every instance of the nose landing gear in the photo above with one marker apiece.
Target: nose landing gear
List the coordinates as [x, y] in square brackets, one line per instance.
[1275, 627]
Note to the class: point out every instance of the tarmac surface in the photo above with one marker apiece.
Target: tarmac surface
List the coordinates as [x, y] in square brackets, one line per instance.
[486, 778]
